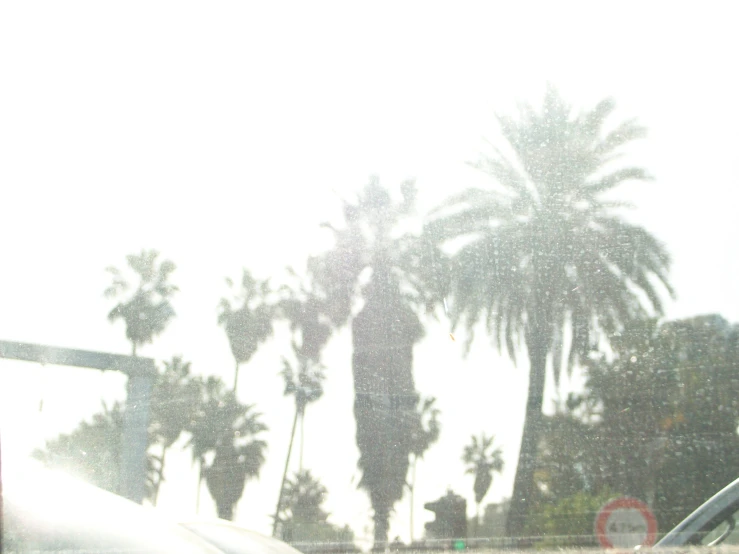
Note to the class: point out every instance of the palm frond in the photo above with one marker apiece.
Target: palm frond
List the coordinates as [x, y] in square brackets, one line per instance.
[616, 178]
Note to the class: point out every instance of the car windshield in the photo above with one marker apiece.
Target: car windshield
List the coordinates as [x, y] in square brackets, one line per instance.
[375, 276]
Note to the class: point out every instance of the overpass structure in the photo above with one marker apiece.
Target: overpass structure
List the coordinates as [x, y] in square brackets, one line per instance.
[141, 373]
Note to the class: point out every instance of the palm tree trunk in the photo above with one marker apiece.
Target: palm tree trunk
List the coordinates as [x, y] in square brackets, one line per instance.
[200, 486]
[161, 476]
[284, 474]
[382, 526]
[225, 511]
[413, 493]
[302, 441]
[523, 484]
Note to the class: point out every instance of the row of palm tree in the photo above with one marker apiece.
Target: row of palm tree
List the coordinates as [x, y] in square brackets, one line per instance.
[542, 260]
[224, 434]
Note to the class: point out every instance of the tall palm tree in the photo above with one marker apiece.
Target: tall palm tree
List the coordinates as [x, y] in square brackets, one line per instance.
[427, 433]
[545, 257]
[247, 319]
[229, 432]
[310, 332]
[482, 461]
[372, 263]
[147, 311]
[306, 387]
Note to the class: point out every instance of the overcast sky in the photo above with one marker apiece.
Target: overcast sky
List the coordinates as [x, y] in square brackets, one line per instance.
[222, 134]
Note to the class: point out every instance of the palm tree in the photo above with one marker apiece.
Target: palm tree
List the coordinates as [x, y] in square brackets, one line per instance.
[311, 330]
[545, 256]
[304, 496]
[93, 451]
[249, 323]
[307, 388]
[427, 434]
[173, 404]
[310, 333]
[372, 263]
[229, 431]
[482, 461]
[304, 519]
[148, 310]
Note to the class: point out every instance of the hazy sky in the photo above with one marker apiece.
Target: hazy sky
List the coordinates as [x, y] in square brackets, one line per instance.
[223, 134]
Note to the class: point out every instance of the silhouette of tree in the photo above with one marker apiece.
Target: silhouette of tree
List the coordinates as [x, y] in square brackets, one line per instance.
[659, 412]
[247, 319]
[668, 409]
[567, 461]
[173, 403]
[93, 451]
[391, 274]
[546, 257]
[567, 521]
[303, 518]
[310, 331]
[304, 496]
[229, 431]
[482, 461]
[305, 387]
[147, 311]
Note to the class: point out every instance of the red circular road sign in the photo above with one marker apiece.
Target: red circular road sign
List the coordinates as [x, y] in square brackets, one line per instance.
[625, 523]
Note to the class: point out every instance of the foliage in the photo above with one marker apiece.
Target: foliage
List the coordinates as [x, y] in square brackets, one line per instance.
[311, 331]
[568, 462]
[304, 496]
[668, 411]
[428, 428]
[92, 451]
[657, 420]
[247, 318]
[174, 400]
[394, 274]
[148, 310]
[545, 258]
[569, 521]
[303, 517]
[305, 311]
[372, 239]
[385, 399]
[229, 431]
[482, 460]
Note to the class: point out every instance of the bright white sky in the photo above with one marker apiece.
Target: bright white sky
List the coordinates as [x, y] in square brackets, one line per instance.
[221, 134]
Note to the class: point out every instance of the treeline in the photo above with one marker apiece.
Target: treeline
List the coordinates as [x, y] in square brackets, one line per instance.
[543, 262]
